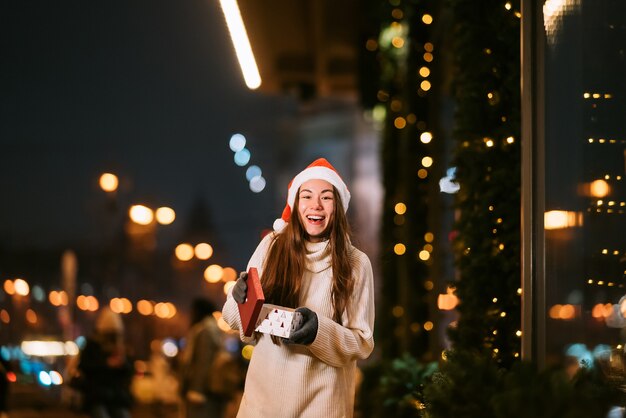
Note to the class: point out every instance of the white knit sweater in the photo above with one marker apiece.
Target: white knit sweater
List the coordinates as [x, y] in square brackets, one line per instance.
[315, 381]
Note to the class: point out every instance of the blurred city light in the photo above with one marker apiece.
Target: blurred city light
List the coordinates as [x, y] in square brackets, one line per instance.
[108, 182]
[31, 316]
[243, 50]
[37, 348]
[141, 214]
[252, 172]
[9, 287]
[559, 219]
[169, 348]
[38, 293]
[145, 307]
[257, 184]
[184, 252]
[228, 286]
[21, 287]
[242, 157]
[599, 188]
[213, 273]
[237, 142]
[165, 215]
[44, 378]
[203, 251]
[229, 274]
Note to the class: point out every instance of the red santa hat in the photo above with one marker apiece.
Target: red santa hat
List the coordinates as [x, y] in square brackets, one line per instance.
[319, 169]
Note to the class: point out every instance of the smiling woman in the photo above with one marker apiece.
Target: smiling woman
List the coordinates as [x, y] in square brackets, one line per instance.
[308, 263]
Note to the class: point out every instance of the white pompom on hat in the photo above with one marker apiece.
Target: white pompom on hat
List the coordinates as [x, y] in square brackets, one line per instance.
[319, 169]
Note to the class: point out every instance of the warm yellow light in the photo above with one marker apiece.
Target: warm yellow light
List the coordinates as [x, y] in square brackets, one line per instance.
[229, 274]
[165, 215]
[108, 182]
[518, 333]
[371, 45]
[116, 305]
[510, 140]
[400, 208]
[397, 311]
[165, 310]
[424, 255]
[447, 301]
[241, 43]
[427, 19]
[145, 307]
[422, 173]
[429, 237]
[184, 252]
[425, 85]
[428, 57]
[428, 326]
[31, 316]
[5, 317]
[9, 287]
[426, 137]
[21, 287]
[427, 161]
[203, 251]
[213, 273]
[399, 249]
[399, 122]
[397, 42]
[228, 286]
[424, 71]
[560, 219]
[141, 214]
[599, 188]
[246, 351]
[429, 47]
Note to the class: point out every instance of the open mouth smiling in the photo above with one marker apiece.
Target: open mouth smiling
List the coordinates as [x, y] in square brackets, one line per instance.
[315, 219]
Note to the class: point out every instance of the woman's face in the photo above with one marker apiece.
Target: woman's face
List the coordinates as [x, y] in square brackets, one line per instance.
[316, 205]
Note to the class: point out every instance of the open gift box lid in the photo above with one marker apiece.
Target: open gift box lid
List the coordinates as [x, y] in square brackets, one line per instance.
[249, 310]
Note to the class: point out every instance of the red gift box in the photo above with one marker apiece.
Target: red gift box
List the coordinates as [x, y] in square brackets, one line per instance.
[249, 310]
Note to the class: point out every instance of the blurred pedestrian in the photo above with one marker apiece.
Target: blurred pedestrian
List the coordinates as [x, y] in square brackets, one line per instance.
[202, 343]
[309, 263]
[105, 370]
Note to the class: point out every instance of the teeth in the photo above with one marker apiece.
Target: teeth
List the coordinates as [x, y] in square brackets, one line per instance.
[315, 218]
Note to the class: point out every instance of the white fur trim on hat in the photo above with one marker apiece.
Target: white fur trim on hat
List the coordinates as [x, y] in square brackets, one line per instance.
[319, 173]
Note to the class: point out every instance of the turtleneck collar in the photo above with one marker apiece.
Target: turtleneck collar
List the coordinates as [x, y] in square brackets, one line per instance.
[317, 256]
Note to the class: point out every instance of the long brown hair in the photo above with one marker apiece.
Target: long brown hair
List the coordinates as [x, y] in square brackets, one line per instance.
[285, 262]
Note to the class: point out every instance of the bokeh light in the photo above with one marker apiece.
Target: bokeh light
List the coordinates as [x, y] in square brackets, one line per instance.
[165, 215]
[237, 142]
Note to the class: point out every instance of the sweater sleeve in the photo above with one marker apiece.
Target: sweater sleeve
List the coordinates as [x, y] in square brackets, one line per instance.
[230, 311]
[337, 344]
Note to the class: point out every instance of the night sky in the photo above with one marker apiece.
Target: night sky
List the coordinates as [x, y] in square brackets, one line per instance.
[149, 90]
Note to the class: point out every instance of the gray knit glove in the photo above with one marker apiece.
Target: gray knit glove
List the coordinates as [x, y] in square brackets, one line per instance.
[240, 290]
[305, 328]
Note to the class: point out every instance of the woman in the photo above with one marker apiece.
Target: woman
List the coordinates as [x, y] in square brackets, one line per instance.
[308, 263]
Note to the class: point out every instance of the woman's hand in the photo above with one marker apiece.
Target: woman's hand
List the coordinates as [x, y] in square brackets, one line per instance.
[240, 290]
[306, 331]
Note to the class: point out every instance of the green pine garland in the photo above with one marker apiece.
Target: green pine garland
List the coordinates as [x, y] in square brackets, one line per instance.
[486, 90]
[404, 307]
